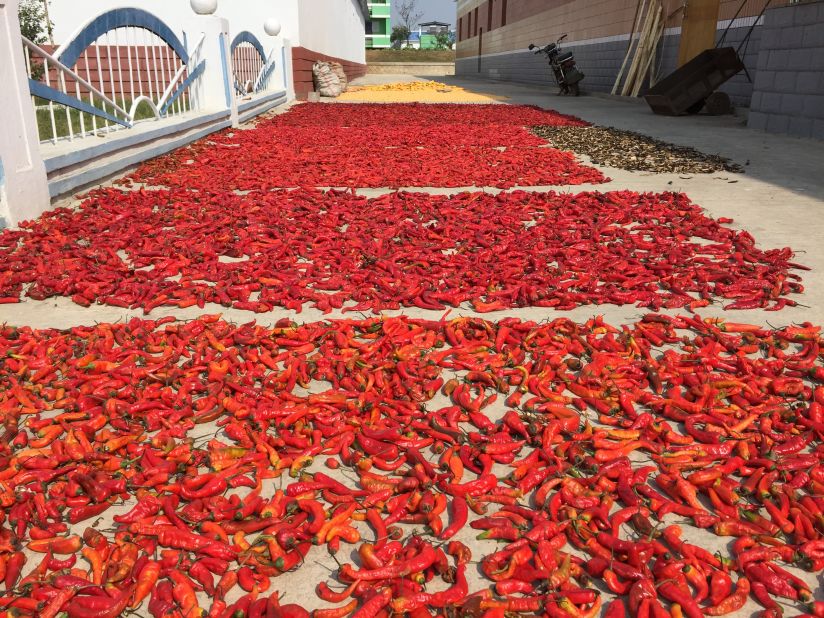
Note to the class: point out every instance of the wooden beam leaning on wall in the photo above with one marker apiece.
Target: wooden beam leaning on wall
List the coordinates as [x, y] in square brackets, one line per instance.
[636, 22]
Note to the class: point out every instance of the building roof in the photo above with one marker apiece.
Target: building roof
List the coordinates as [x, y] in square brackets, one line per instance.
[433, 23]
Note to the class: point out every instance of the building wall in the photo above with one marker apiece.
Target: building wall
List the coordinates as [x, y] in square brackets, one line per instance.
[380, 16]
[598, 32]
[332, 31]
[333, 27]
[789, 87]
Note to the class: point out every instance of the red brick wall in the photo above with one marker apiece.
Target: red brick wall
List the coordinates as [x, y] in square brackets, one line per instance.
[99, 66]
[302, 61]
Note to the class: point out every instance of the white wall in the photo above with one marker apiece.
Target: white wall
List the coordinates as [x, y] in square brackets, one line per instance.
[333, 27]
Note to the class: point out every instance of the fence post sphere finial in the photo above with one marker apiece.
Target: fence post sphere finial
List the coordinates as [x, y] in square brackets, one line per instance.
[272, 26]
[203, 7]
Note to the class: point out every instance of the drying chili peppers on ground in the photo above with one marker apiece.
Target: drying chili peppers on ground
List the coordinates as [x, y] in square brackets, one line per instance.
[362, 145]
[460, 468]
[583, 457]
[339, 250]
[381, 116]
[633, 151]
[266, 165]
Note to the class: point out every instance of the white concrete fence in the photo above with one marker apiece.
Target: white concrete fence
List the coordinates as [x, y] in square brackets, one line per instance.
[125, 87]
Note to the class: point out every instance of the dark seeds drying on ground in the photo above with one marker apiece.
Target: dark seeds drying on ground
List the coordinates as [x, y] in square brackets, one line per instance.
[634, 152]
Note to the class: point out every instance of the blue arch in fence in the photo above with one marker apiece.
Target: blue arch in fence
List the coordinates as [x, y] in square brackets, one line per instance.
[120, 18]
[248, 37]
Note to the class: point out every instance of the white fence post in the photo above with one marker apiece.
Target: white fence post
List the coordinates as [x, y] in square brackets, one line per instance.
[24, 190]
[288, 76]
[216, 90]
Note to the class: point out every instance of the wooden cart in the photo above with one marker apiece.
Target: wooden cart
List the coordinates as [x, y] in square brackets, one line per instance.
[686, 89]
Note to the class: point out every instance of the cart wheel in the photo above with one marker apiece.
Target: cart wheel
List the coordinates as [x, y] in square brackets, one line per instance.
[696, 107]
[718, 104]
[574, 90]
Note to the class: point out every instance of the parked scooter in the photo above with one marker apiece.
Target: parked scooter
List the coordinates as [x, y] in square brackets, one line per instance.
[566, 73]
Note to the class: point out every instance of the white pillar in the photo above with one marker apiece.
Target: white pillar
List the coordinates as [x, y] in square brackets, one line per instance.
[288, 76]
[24, 189]
[216, 91]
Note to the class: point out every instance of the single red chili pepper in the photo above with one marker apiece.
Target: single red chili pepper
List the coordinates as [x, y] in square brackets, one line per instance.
[733, 602]
[674, 593]
[720, 587]
[375, 603]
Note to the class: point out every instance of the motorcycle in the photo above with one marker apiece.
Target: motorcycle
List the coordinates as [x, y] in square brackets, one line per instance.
[566, 73]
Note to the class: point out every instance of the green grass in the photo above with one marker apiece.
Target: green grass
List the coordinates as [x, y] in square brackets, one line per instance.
[44, 126]
[410, 55]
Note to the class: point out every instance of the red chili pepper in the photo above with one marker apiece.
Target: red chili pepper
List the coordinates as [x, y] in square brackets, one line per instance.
[460, 513]
[732, 603]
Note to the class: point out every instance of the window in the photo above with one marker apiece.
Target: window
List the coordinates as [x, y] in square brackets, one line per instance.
[503, 12]
[469, 26]
[489, 15]
[369, 27]
[475, 31]
[460, 29]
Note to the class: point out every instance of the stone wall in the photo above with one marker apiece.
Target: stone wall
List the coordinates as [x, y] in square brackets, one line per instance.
[789, 83]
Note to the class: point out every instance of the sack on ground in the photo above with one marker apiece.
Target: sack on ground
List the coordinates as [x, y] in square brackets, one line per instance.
[326, 82]
[337, 69]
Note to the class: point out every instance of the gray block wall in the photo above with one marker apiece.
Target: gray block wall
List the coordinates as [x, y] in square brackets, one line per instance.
[601, 62]
[789, 86]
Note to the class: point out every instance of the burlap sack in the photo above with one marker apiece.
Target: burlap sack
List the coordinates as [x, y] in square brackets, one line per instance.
[337, 69]
[326, 82]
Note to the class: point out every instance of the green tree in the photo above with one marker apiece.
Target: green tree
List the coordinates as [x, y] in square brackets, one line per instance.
[398, 36]
[443, 40]
[410, 16]
[34, 20]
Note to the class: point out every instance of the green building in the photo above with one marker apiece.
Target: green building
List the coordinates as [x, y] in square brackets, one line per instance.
[378, 28]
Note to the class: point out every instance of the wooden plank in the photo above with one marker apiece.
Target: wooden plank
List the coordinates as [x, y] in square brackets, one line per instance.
[643, 41]
[655, 36]
[698, 28]
[639, 10]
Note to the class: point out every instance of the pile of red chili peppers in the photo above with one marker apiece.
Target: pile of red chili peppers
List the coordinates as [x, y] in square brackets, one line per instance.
[178, 469]
[384, 117]
[577, 453]
[340, 250]
[354, 145]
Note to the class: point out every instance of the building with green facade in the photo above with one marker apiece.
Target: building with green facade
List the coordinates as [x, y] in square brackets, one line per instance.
[378, 28]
